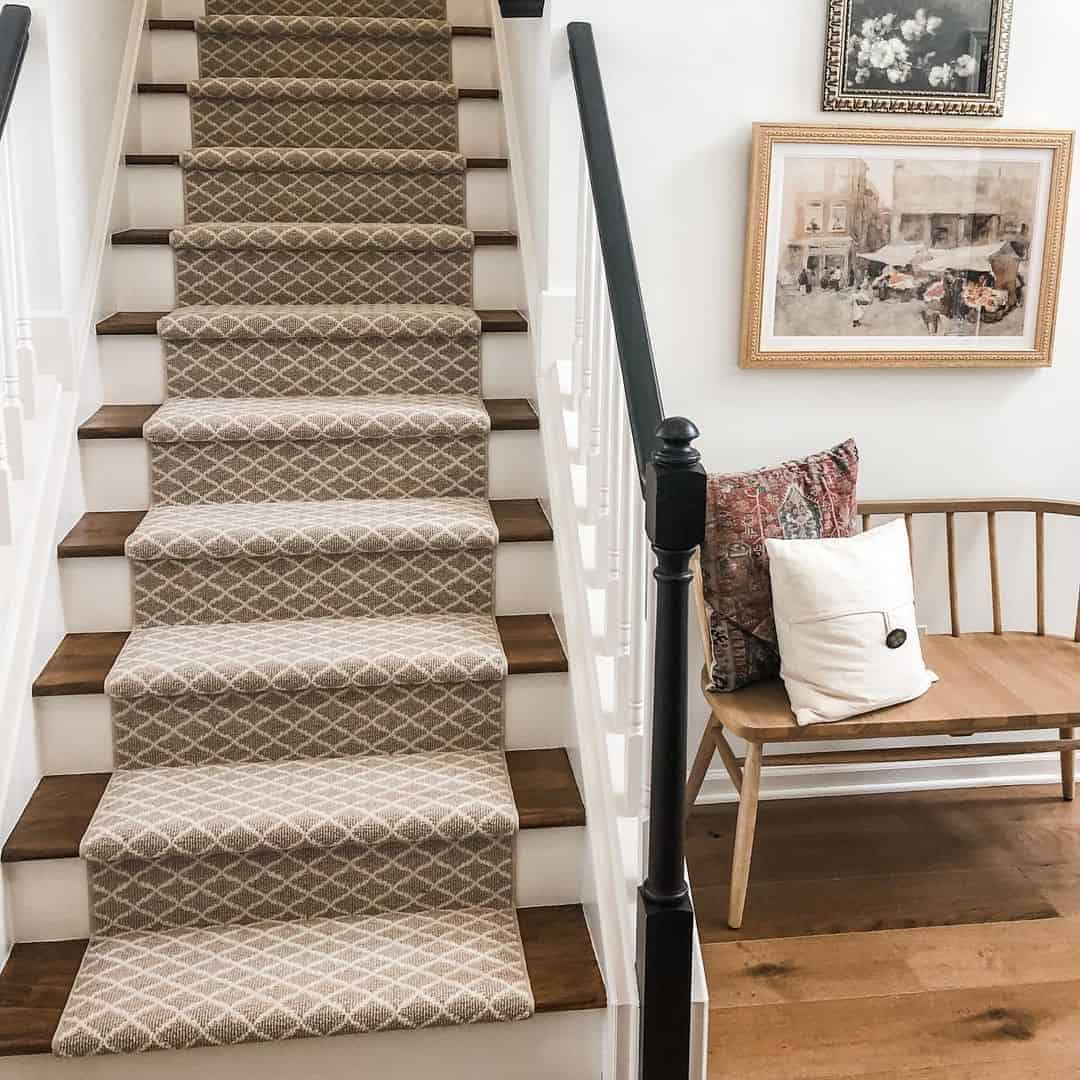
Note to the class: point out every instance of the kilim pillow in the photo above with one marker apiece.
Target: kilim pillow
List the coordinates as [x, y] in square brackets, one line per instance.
[809, 499]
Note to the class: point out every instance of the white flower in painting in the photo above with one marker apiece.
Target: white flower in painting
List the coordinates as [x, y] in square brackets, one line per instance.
[941, 75]
[869, 28]
[887, 21]
[932, 24]
[863, 59]
[862, 75]
[895, 74]
[911, 30]
[900, 50]
[965, 65]
[881, 55]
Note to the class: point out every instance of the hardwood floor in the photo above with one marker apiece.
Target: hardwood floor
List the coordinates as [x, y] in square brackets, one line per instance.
[914, 936]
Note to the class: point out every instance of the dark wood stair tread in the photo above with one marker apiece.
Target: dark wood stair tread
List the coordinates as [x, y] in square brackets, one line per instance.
[99, 534]
[189, 26]
[160, 238]
[58, 814]
[464, 93]
[102, 533]
[126, 421]
[82, 661]
[37, 978]
[144, 323]
[79, 664]
[174, 160]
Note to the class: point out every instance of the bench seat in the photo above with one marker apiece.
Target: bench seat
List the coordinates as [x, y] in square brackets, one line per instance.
[989, 682]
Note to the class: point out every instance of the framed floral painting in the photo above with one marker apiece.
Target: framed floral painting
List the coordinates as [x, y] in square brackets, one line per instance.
[903, 247]
[942, 57]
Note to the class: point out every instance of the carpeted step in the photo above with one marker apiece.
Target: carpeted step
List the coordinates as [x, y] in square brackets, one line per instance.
[321, 350]
[282, 263]
[252, 562]
[228, 450]
[341, 837]
[388, 9]
[323, 47]
[270, 981]
[233, 183]
[371, 113]
[269, 691]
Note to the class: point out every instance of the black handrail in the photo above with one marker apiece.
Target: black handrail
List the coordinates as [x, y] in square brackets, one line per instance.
[624, 287]
[673, 483]
[14, 41]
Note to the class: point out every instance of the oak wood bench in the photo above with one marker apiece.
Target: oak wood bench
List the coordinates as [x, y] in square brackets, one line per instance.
[990, 682]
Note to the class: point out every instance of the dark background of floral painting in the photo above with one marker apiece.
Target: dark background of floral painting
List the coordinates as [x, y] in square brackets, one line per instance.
[958, 17]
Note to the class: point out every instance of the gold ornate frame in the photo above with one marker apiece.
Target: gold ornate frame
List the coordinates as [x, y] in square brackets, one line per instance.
[766, 136]
[838, 98]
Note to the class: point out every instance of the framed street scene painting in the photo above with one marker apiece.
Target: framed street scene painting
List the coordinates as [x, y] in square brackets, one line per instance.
[894, 247]
[947, 57]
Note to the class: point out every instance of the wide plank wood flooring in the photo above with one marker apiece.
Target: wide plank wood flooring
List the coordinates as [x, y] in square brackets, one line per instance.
[915, 936]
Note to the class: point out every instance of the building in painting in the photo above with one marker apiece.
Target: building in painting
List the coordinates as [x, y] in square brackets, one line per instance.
[831, 213]
[944, 204]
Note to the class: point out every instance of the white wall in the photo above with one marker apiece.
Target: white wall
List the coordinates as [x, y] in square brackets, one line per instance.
[684, 84]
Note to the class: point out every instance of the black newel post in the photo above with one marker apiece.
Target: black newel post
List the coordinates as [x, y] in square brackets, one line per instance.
[675, 522]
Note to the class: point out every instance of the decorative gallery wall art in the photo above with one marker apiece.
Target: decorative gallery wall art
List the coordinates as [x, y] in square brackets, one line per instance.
[947, 57]
[894, 247]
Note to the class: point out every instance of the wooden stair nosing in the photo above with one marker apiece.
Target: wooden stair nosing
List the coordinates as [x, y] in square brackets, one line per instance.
[181, 89]
[126, 421]
[144, 323]
[102, 534]
[58, 814]
[188, 26]
[173, 160]
[81, 662]
[36, 980]
[160, 238]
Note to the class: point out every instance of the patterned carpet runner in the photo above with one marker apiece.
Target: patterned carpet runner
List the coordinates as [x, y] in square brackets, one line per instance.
[310, 830]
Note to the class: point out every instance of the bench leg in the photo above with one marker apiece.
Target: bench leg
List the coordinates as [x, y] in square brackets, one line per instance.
[744, 833]
[1068, 767]
[706, 749]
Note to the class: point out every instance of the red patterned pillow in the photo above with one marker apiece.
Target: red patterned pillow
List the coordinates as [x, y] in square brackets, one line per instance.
[809, 499]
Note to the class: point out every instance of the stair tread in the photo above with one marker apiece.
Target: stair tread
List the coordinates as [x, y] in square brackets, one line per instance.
[37, 979]
[143, 160]
[160, 237]
[145, 323]
[127, 421]
[100, 534]
[58, 815]
[463, 93]
[189, 26]
[82, 662]
[201, 811]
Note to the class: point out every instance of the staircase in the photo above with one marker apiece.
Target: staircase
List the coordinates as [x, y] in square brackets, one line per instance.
[306, 777]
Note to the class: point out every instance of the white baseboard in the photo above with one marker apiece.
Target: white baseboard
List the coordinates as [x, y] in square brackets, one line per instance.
[822, 781]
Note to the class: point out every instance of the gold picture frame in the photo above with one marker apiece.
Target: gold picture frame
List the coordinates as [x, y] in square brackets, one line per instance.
[992, 187]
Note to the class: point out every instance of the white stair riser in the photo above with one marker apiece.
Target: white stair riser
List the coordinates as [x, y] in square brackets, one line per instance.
[156, 197]
[133, 368]
[459, 12]
[75, 732]
[563, 1044]
[97, 591]
[48, 899]
[116, 472]
[145, 277]
[174, 57]
[165, 126]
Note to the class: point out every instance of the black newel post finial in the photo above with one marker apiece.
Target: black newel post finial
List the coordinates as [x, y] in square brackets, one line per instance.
[675, 521]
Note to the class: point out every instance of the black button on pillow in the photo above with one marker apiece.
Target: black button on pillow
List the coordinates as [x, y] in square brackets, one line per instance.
[896, 638]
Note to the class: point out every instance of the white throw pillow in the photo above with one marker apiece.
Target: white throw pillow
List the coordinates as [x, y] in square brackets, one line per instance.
[845, 624]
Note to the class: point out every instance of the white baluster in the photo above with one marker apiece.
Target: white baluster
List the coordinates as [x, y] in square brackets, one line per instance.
[25, 353]
[10, 398]
[585, 255]
[595, 327]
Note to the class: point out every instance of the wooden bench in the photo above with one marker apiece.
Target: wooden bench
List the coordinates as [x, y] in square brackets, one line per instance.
[990, 682]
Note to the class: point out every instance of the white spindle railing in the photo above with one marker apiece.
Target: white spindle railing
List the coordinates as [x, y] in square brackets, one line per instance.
[613, 550]
[18, 368]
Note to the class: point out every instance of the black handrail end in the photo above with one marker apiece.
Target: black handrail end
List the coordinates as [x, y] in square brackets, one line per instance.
[15, 22]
